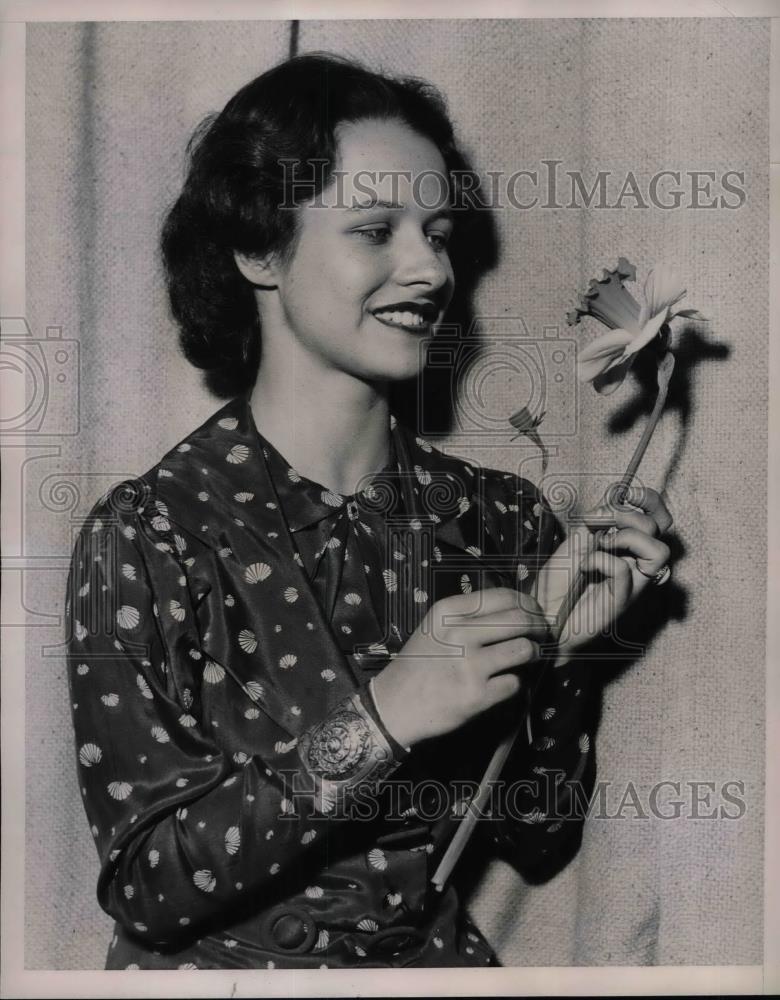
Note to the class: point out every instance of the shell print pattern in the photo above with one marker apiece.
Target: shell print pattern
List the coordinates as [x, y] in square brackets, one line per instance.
[90, 754]
[119, 790]
[128, 617]
[143, 687]
[332, 499]
[238, 453]
[254, 689]
[235, 638]
[377, 859]
[257, 572]
[176, 611]
[205, 880]
[247, 640]
[213, 673]
[232, 840]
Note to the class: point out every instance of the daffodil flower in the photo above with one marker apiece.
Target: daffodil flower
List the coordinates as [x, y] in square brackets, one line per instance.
[524, 423]
[605, 362]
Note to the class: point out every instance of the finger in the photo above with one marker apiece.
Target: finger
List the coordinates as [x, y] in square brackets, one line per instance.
[651, 553]
[622, 518]
[501, 688]
[651, 502]
[503, 627]
[615, 572]
[506, 655]
[478, 602]
[510, 624]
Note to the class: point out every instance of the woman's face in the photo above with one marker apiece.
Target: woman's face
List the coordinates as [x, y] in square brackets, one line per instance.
[371, 275]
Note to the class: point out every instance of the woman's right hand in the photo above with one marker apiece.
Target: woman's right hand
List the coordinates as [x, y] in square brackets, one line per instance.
[463, 658]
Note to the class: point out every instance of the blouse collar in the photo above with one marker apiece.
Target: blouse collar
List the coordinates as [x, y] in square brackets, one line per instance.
[227, 455]
[306, 502]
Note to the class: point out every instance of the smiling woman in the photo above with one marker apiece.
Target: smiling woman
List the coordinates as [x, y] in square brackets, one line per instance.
[368, 277]
[296, 640]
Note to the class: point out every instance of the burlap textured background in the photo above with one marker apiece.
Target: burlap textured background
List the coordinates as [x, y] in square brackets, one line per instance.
[109, 110]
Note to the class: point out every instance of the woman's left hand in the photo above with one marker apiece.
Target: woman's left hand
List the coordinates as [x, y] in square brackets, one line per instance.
[625, 561]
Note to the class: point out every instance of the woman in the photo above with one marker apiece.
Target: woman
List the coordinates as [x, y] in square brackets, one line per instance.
[289, 669]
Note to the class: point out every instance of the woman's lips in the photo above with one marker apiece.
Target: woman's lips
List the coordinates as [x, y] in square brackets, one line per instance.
[408, 321]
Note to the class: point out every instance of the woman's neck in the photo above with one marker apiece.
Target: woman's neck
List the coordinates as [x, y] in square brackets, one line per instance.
[337, 434]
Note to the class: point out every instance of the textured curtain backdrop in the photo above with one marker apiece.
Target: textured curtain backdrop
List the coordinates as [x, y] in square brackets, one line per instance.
[109, 109]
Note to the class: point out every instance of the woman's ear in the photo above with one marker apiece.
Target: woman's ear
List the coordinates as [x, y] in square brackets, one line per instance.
[259, 271]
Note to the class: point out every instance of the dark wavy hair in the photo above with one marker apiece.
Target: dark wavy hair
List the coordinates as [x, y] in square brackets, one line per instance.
[236, 183]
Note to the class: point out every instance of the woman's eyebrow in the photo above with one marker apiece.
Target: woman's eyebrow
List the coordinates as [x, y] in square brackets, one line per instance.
[438, 213]
[374, 203]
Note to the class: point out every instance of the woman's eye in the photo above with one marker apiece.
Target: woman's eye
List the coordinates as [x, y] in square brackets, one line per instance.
[376, 234]
[438, 241]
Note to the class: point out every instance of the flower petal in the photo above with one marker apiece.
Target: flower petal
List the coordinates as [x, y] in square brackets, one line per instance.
[611, 379]
[601, 353]
[663, 288]
[523, 421]
[688, 314]
[609, 301]
[648, 331]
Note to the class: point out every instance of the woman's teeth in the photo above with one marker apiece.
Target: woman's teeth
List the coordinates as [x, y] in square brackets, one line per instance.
[401, 318]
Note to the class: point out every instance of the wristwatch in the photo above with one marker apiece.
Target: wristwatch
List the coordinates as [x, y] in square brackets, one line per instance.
[350, 748]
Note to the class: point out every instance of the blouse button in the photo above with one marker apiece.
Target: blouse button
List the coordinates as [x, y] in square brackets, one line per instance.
[291, 928]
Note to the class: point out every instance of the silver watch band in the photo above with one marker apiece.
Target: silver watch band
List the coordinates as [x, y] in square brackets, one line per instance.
[345, 750]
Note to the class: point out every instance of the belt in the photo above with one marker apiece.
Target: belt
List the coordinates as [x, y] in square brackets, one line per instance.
[291, 929]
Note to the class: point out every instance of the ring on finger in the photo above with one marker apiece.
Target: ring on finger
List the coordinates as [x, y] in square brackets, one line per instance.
[660, 577]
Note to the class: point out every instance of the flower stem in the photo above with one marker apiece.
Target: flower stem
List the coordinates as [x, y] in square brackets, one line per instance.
[665, 369]
[577, 589]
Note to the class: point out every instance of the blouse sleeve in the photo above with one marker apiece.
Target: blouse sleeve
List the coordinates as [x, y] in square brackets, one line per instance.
[542, 799]
[184, 831]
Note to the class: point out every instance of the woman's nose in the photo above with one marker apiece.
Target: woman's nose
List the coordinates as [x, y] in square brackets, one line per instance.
[421, 263]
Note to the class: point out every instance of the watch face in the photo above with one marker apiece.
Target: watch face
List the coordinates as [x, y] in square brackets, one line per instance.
[339, 745]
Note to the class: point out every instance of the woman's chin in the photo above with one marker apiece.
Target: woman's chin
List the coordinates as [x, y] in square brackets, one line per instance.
[381, 363]
[397, 371]
[405, 359]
